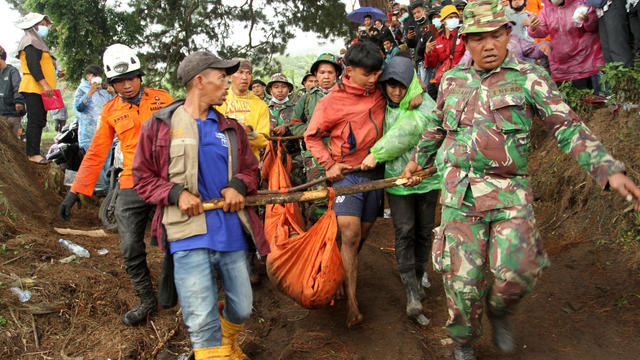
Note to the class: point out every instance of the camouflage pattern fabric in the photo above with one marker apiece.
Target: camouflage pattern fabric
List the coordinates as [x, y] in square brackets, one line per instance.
[281, 114]
[480, 131]
[483, 16]
[462, 243]
[479, 136]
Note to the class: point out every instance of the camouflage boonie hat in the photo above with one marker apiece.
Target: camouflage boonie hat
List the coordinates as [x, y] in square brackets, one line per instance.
[326, 58]
[278, 77]
[483, 16]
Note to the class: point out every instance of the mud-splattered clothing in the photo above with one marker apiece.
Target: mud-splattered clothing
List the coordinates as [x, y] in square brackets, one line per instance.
[479, 136]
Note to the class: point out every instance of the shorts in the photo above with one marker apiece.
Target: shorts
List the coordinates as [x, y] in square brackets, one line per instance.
[365, 205]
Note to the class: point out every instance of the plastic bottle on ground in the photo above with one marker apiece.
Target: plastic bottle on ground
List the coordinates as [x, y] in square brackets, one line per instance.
[23, 295]
[75, 248]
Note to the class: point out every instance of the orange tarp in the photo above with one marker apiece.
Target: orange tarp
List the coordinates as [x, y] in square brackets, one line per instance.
[305, 265]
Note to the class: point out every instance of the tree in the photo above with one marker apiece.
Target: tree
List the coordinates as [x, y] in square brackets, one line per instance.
[167, 30]
[81, 31]
[380, 4]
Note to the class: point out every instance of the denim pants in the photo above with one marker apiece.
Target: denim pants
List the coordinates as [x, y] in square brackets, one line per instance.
[421, 71]
[195, 278]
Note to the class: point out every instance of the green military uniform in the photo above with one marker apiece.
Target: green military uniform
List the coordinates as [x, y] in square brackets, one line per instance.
[302, 113]
[282, 114]
[479, 136]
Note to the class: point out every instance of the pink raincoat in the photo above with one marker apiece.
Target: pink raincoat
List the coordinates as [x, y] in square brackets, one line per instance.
[576, 50]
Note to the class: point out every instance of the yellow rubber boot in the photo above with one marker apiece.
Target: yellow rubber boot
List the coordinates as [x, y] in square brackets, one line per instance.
[213, 353]
[230, 332]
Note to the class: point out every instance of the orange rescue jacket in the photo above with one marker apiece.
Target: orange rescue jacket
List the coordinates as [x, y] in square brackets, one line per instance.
[123, 119]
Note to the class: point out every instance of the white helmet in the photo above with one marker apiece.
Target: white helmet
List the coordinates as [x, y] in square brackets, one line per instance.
[120, 61]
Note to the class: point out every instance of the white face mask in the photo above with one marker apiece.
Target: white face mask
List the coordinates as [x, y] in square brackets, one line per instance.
[452, 23]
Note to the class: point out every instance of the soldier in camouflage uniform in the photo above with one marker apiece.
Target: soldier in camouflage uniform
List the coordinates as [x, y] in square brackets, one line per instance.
[479, 136]
[280, 115]
[326, 70]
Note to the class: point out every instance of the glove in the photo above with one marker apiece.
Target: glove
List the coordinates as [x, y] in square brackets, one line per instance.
[64, 211]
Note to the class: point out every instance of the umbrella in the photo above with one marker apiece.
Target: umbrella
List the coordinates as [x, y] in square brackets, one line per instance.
[358, 15]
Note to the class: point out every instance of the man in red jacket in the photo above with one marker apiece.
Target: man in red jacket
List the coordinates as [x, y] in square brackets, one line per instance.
[447, 49]
[352, 113]
[189, 153]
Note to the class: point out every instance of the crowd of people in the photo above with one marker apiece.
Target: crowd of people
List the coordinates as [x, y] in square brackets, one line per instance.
[454, 85]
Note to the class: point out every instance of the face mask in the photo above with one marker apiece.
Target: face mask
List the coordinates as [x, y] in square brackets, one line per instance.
[273, 99]
[437, 23]
[518, 8]
[404, 17]
[452, 23]
[43, 31]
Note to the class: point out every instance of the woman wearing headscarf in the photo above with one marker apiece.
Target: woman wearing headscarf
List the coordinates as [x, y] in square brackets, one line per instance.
[38, 75]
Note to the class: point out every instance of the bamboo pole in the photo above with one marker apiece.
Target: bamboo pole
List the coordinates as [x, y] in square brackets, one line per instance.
[258, 200]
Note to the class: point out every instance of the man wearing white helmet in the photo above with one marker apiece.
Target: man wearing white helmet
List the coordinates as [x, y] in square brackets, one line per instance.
[123, 116]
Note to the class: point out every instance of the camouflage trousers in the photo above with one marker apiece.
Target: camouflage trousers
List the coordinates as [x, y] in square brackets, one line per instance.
[463, 243]
[313, 170]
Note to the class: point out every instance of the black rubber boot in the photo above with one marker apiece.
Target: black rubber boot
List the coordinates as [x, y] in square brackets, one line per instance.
[148, 304]
[420, 272]
[503, 336]
[414, 306]
[464, 352]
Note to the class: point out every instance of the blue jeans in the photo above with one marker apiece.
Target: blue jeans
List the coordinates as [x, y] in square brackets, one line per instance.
[195, 278]
[422, 72]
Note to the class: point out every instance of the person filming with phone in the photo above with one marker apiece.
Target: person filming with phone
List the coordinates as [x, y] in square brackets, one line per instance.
[90, 96]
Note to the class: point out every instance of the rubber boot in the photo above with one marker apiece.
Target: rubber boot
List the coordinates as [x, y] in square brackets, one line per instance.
[148, 304]
[503, 336]
[230, 333]
[213, 353]
[464, 352]
[421, 275]
[414, 307]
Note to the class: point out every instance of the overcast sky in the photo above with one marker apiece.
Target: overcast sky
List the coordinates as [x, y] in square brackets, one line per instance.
[303, 43]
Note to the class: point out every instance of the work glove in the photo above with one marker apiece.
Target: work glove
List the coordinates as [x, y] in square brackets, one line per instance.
[64, 211]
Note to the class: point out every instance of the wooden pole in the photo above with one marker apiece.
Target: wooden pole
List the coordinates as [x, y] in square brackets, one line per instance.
[284, 138]
[257, 200]
[307, 185]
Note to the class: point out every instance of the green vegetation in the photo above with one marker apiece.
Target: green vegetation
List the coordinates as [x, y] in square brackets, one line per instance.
[621, 83]
[575, 98]
[166, 31]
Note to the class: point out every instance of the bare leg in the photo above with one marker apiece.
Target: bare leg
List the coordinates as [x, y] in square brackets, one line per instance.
[350, 232]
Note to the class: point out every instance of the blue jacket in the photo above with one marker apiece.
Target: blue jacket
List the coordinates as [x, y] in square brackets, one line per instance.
[88, 111]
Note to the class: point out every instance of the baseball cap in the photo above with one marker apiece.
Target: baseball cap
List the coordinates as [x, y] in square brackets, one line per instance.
[197, 62]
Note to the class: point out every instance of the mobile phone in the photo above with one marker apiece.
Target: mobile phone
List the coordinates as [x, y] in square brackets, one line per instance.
[412, 28]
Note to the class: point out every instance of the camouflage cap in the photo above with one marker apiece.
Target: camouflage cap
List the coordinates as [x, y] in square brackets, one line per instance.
[278, 77]
[483, 16]
[326, 58]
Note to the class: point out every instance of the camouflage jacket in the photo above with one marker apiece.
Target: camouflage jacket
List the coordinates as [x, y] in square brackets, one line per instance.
[479, 134]
[281, 114]
[304, 110]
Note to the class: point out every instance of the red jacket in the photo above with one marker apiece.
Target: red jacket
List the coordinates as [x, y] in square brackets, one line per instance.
[439, 56]
[151, 171]
[353, 118]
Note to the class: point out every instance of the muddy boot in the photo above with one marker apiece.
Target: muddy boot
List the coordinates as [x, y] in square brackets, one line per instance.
[414, 307]
[147, 305]
[421, 275]
[464, 352]
[503, 336]
[213, 353]
[230, 332]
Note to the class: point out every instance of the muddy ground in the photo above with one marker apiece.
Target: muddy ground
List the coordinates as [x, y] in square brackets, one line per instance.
[586, 306]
